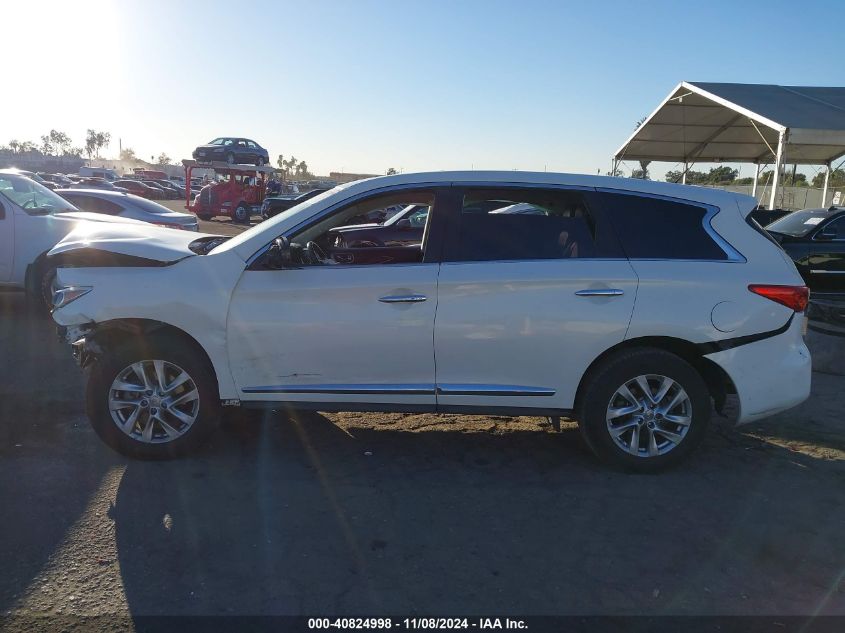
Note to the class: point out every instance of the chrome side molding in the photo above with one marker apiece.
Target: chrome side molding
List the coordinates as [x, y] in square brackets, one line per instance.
[492, 390]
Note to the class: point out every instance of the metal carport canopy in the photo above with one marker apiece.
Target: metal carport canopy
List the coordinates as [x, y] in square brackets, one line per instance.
[742, 123]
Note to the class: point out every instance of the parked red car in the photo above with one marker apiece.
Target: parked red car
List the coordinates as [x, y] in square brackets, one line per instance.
[140, 189]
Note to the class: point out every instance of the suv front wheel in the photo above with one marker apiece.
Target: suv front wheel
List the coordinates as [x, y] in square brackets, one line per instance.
[644, 409]
[152, 401]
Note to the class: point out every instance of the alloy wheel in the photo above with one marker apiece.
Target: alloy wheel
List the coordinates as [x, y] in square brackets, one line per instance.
[154, 401]
[649, 415]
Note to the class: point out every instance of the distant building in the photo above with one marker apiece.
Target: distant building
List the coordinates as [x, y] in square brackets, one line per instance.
[342, 177]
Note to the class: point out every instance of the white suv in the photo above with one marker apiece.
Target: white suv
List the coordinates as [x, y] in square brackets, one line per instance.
[630, 305]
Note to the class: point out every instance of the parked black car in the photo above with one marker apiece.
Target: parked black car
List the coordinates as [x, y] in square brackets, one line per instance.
[815, 240]
[233, 150]
[276, 204]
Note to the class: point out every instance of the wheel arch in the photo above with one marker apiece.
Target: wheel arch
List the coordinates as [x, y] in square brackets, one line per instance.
[718, 382]
[120, 331]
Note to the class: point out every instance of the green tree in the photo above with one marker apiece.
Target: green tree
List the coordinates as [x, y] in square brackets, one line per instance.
[302, 168]
[95, 141]
[128, 154]
[391, 171]
[786, 181]
[280, 161]
[60, 141]
[837, 178]
[46, 145]
[163, 159]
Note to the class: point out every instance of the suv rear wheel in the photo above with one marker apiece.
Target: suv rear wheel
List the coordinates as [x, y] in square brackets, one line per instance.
[644, 409]
[156, 400]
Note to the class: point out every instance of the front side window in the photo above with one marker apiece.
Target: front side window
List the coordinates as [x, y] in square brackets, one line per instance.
[523, 224]
[835, 230]
[356, 234]
[32, 197]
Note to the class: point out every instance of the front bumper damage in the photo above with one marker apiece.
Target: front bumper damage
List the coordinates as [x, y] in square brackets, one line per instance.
[85, 349]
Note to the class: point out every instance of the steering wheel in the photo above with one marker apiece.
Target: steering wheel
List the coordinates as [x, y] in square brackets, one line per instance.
[315, 254]
[27, 204]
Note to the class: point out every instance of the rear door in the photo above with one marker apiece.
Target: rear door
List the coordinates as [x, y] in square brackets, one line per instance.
[532, 288]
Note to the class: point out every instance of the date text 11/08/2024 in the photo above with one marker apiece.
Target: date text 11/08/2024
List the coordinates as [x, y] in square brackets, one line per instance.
[417, 623]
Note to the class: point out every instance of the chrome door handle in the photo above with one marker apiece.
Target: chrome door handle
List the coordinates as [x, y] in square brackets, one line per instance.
[402, 298]
[600, 292]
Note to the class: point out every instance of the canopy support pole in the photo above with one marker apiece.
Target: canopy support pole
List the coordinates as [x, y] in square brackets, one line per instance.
[778, 167]
[756, 180]
[684, 177]
[824, 190]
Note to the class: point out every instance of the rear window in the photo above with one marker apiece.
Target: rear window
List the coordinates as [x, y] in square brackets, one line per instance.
[654, 228]
[148, 205]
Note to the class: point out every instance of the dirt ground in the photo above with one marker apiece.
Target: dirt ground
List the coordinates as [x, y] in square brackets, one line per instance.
[376, 514]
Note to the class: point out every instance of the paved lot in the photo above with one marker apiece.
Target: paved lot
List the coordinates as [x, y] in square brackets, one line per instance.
[393, 514]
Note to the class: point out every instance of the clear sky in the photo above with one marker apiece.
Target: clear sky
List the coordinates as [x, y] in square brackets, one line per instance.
[416, 85]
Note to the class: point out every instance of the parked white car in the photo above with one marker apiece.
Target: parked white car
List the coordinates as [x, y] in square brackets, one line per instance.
[32, 220]
[630, 305]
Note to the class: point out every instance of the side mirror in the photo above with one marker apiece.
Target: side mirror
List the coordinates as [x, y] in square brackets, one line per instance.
[278, 255]
[404, 224]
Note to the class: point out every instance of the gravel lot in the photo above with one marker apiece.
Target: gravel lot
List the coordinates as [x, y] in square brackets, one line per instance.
[379, 514]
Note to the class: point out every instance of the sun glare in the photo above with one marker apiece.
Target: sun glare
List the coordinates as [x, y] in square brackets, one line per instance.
[77, 47]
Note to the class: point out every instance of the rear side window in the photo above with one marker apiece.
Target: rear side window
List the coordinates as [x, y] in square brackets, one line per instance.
[523, 224]
[94, 204]
[653, 228]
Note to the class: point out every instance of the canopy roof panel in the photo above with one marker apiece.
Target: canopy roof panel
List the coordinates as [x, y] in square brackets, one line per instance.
[721, 122]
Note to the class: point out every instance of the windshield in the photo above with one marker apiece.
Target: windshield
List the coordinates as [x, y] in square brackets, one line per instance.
[799, 223]
[31, 196]
[217, 141]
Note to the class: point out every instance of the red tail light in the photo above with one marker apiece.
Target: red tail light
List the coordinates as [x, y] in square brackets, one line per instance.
[793, 297]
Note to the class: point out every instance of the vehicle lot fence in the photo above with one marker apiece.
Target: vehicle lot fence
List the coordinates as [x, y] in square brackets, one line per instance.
[792, 198]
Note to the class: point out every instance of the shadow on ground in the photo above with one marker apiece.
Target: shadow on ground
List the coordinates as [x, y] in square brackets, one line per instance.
[295, 515]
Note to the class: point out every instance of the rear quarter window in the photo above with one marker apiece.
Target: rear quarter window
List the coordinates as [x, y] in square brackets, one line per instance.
[655, 228]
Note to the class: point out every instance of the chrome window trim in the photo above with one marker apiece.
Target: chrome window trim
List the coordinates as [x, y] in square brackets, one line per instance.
[457, 389]
[733, 255]
[362, 389]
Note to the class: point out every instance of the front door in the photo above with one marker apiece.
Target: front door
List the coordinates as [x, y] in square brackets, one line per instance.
[326, 328]
[826, 257]
[7, 240]
[532, 289]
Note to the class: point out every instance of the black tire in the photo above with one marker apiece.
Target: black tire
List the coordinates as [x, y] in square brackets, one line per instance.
[48, 280]
[617, 370]
[173, 350]
[242, 214]
[259, 161]
[230, 158]
[39, 288]
[204, 216]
